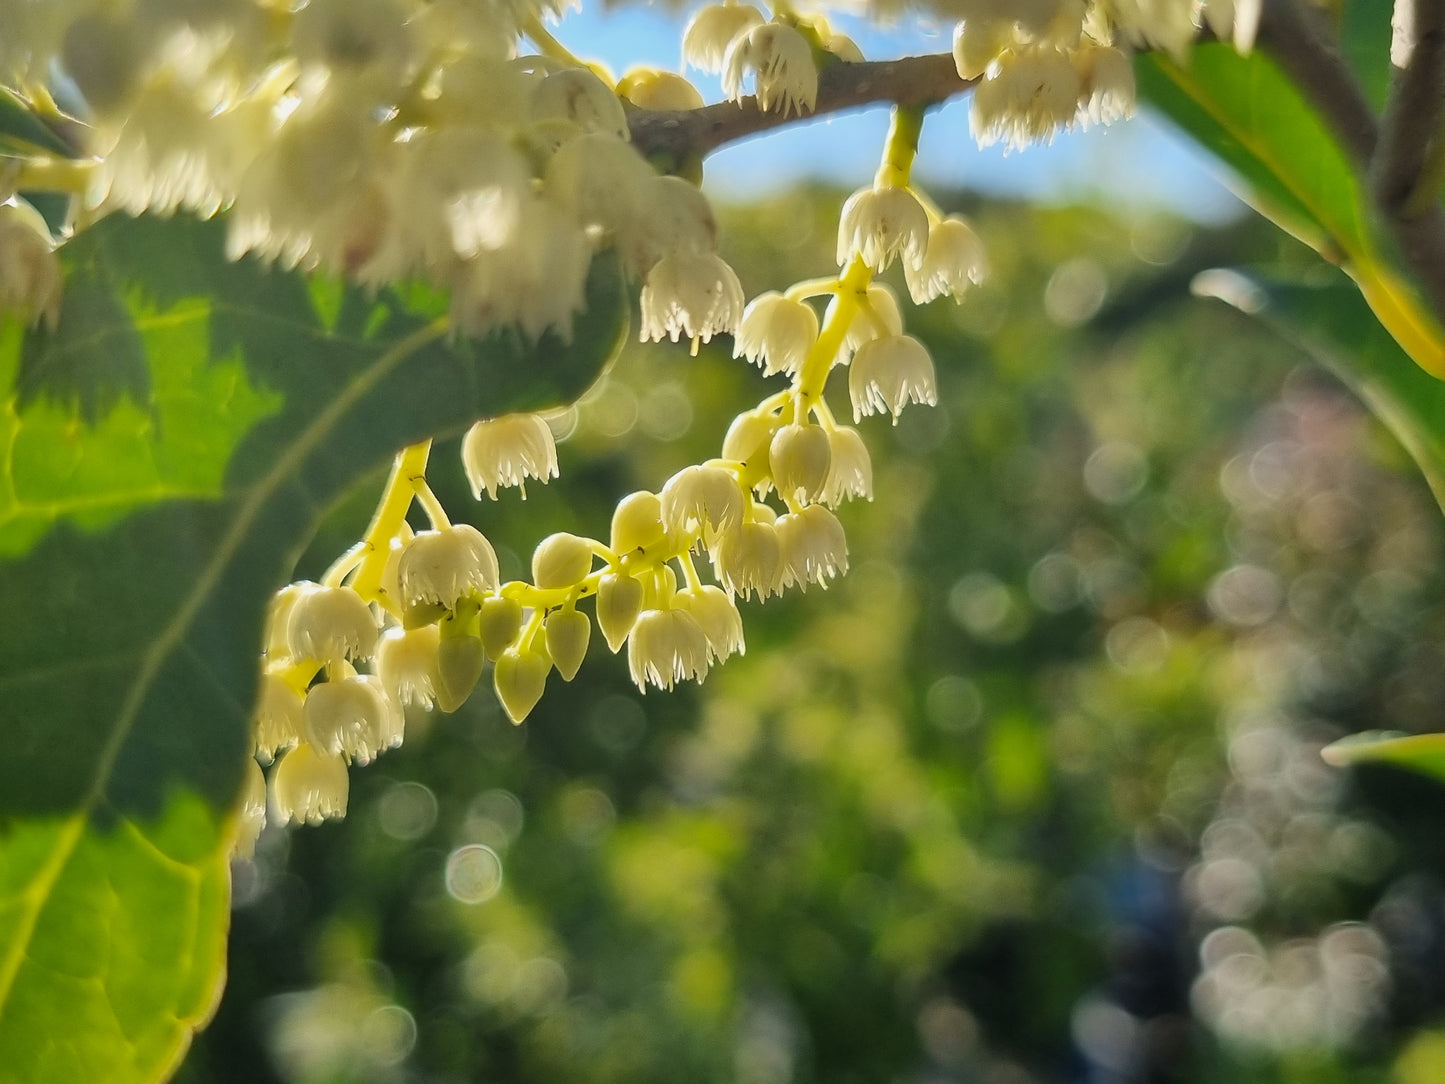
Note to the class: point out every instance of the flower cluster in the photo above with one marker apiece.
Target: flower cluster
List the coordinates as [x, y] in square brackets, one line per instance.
[415, 618]
[384, 139]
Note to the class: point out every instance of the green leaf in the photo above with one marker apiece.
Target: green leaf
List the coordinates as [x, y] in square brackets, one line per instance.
[164, 457]
[1245, 111]
[21, 131]
[1332, 323]
[1423, 753]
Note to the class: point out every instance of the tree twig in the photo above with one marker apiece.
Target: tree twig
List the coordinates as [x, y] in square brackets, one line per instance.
[912, 81]
[1417, 95]
[1300, 42]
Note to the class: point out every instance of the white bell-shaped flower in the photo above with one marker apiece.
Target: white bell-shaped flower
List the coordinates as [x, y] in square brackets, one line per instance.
[888, 374]
[703, 500]
[777, 333]
[786, 76]
[850, 470]
[953, 262]
[977, 40]
[692, 295]
[676, 217]
[667, 646]
[352, 717]
[280, 719]
[812, 547]
[1030, 94]
[355, 39]
[251, 817]
[309, 786]
[506, 451]
[330, 624]
[446, 565]
[406, 662]
[799, 459]
[880, 223]
[748, 560]
[717, 615]
[1106, 84]
[707, 37]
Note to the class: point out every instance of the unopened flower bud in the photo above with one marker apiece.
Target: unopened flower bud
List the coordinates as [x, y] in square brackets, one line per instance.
[747, 442]
[568, 632]
[652, 88]
[561, 560]
[310, 786]
[879, 318]
[460, 660]
[498, 623]
[520, 678]
[799, 458]
[446, 565]
[619, 601]
[637, 522]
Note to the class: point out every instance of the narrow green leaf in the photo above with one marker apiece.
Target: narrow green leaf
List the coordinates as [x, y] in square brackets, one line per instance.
[1423, 753]
[22, 131]
[1244, 110]
[1333, 324]
[164, 456]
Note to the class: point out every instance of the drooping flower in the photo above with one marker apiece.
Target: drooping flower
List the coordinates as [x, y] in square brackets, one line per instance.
[706, 500]
[785, 75]
[890, 373]
[717, 615]
[619, 601]
[707, 37]
[568, 632]
[1029, 95]
[506, 451]
[1106, 84]
[579, 96]
[690, 294]
[777, 333]
[252, 815]
[747, 560]
[812, 547]
[880, 223]
[878, 318]
[850, 471]
[953, 261]
[330, 624]
[279, 717]
[667, 646]
[354, 717]
[799, 459]
[309, 786]
[520, 677]
[406, 662]
[637, 522]
[443, 566]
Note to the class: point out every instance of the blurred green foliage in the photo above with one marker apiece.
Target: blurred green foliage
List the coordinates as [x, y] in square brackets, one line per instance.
[1033, 794]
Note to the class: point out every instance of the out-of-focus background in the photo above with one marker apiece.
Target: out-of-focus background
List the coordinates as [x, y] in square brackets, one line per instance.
[1032, 794]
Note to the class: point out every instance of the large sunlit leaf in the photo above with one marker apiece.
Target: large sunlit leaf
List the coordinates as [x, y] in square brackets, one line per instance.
[164, 455]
